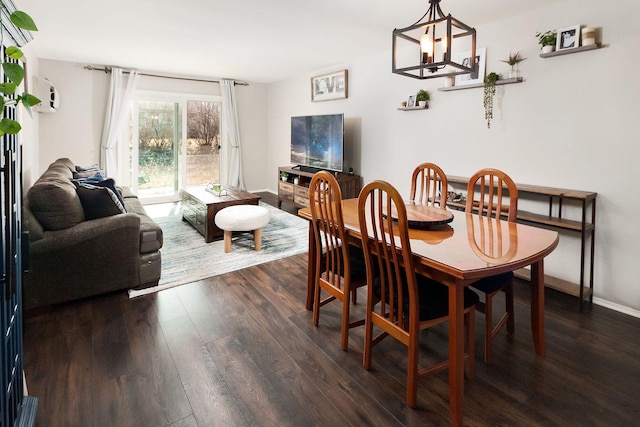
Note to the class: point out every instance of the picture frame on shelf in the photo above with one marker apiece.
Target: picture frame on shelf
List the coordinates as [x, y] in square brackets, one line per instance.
[464, 58]
[327, 87]
[411, 101]
[568, 38]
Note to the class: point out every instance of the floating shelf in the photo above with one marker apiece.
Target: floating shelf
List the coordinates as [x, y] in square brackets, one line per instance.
[499, 82]
[413, 108]
[572, 50]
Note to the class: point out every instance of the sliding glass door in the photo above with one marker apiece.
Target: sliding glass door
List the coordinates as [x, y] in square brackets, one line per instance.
[175, 143]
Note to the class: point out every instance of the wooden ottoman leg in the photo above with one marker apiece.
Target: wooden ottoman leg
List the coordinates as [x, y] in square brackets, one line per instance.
[257, 238]
[227, 241]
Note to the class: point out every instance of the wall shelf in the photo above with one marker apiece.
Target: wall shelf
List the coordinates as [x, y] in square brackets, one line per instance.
[498, 83]
[568, 51]
[413, 108]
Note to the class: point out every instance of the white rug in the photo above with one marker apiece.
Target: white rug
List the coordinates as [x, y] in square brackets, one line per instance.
[186, 258]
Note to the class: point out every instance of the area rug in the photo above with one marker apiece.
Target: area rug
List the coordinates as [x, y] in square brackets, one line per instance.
[186, 258]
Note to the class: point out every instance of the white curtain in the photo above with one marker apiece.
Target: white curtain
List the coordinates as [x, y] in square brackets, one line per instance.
[118, 105]
[231, 134]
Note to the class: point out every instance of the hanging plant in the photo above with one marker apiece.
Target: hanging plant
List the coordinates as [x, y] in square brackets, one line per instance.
[489, 92]
[14, 73]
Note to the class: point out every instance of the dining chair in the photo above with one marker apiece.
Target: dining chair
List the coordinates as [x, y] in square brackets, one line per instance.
[340, 268]
[429, 185]
[486, 197]
[399, 302]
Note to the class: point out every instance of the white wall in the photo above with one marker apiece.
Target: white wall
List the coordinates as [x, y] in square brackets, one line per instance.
[571, 124]
[75, 130]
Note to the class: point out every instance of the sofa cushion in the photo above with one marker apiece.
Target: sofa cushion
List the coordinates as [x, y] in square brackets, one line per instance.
[55, 204]
[98, 202]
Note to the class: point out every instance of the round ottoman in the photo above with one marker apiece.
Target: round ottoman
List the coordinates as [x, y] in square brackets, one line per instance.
[242, 218]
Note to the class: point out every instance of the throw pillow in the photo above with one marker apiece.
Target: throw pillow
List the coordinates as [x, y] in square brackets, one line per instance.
[88, 177]
[111, 185]
[98, 202]
[88, 174]
[93, 167]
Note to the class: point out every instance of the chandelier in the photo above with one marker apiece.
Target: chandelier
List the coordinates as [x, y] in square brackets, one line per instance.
[424, 49]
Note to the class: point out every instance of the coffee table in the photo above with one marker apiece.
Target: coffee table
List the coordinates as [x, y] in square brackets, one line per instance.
[199, 207]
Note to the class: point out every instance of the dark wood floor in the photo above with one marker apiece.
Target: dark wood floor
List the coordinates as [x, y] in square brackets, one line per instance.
[240, 349]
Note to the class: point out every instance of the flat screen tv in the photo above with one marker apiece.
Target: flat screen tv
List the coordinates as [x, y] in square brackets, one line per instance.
[317, 142]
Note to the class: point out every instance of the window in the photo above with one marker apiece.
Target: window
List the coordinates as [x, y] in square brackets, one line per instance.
[175, 142]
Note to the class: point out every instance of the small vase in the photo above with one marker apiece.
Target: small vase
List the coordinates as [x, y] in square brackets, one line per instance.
[514, 72]
[422, 104]
[548, 49]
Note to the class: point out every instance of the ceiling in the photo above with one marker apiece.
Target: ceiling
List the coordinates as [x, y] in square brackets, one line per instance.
[253, 40]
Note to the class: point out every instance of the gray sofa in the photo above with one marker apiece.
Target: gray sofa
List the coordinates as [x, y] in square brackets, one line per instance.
[81, 242]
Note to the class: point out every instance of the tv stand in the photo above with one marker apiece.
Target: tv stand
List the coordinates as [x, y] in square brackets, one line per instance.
[294, 189]
[309, 169]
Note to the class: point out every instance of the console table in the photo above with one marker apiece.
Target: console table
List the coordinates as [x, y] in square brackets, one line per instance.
[554, 220]
[295, 189]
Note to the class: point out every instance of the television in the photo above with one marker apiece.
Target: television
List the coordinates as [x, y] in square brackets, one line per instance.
[317, 142]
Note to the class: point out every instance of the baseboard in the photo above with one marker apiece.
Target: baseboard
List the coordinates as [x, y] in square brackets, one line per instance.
[617, 307]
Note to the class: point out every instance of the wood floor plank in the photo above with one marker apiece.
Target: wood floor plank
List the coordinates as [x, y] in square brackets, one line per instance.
[60, 365]
[154, 389]
[296, 344]
[201, 375]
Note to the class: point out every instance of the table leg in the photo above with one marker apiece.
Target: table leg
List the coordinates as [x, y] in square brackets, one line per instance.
[456, 352]
[311, 264]
[537, 306]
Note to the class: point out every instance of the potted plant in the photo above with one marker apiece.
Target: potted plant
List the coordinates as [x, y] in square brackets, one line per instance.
[513, 60]
[422, 97]
[547, 40]
[489, 92]
[284, 176]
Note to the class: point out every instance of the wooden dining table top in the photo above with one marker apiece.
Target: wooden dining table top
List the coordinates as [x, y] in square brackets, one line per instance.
[470, 246]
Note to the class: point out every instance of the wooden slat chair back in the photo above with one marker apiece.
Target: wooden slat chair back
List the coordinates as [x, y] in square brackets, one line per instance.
[395, 295]
[429, 185]
[335, 273]
[493, 193]
[486, 194]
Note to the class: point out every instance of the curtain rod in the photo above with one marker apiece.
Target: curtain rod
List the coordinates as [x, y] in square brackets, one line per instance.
[108, 70]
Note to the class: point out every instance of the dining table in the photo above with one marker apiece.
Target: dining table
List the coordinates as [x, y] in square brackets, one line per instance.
[456, 252]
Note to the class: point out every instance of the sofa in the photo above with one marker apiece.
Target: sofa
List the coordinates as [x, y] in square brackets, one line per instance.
[86, 237]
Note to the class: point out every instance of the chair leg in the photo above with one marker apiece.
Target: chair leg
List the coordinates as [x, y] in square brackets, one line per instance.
[316, 305]
[412, 373]
[508, 297]
[488, 322]
[368, 337]
[344, 334]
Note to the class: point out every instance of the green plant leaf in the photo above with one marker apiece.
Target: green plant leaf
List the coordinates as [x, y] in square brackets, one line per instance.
[13, 52]
[8, 88]
[14, 72]
[9, 126]
[28, 100]
[24, 21]
[1, 103]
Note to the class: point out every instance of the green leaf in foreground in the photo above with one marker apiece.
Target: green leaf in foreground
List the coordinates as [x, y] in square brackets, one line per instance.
[8, 88]
[24, 21]
[13, 52]
[9, 126]
[14, 72]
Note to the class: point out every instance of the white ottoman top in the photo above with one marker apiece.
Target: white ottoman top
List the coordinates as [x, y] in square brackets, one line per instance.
[242, 218]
